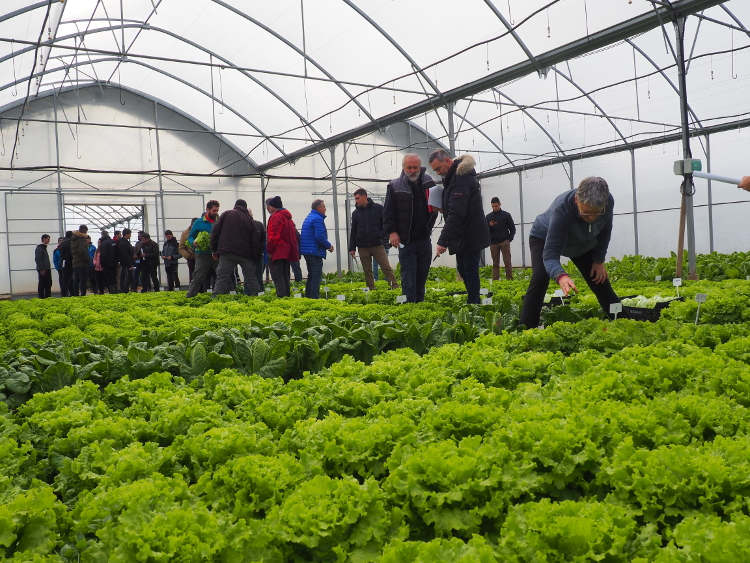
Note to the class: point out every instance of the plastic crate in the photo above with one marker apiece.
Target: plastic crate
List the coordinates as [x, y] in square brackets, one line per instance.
[646, 314]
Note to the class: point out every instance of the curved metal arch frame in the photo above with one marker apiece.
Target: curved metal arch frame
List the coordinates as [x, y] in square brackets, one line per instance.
[192, 44]
[21, 11]
[736, 19]
[150, 98]
[165, 73]
[298, 51]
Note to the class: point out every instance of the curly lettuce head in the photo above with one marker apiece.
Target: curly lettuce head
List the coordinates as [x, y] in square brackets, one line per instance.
[202, 241]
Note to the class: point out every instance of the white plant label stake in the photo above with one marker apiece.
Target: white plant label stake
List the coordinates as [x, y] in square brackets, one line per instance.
[615, 308]
[326, 288]
[700, 298]
[658, 278]
[484, 291]
[401, 299]
[560, 293]
[487, 301]
[298, 296]
[341, 297]
[677, 282]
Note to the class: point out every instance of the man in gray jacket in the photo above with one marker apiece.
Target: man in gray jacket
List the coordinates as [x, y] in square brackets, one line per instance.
[43, 268]
[578, 224]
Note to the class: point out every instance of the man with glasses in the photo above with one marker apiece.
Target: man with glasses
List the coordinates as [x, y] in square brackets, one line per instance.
[578, 224]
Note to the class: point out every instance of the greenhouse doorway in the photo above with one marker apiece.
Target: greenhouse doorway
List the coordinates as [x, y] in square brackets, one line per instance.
[108, 218]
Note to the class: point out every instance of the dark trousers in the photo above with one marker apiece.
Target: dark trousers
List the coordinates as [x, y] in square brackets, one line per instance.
[204, 264]
[148, 274]
[280, 274]
[173, 279]
[136, 276]
[468, 268]
[92, 279]
[314, 276]
[67, 281]
[534, 298]
[80, 277]
[415, 267]
[101, 281]
[191, 268]
[259, 276]
[225, 272]
[297, 269]
[45, 284]
[60, 280]
[110, 278]
[126, 275]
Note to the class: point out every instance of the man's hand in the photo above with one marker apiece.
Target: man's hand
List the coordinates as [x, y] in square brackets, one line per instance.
[566, 284]
[43, 272]
[353, 253]
[599, 273]
[440, 250]
[167, 258]
[745, 183]
[330, 248]
[395, 240]
[216, 256]
[493, 222]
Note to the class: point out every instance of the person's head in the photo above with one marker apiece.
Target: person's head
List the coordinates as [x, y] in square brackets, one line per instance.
[68, 234]
[240, 203]
[104, 234]
[192, 221]
[412, 166]
[212, 209]
[360, 197]
[140, 235]
[319, 205]
[45, 239]
[126, 233]
[83, 229]
[88, 239]
[440, 161]
[495, 202]
[273, 204]
[59, 240]
[168, 234]
[145, 237]
[118, 234]
[591, 198]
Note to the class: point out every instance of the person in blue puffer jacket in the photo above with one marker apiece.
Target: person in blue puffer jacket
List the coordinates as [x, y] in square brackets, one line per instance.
[313, 246]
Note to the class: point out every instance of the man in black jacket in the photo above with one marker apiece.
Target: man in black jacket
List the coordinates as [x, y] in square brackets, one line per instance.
[43, 268]
[109, 258]
[466, 232]
[367, 235]
[234, 242]
[66, 264]
[408, 221]
[127, 260]
[149, 263]
[502, 231]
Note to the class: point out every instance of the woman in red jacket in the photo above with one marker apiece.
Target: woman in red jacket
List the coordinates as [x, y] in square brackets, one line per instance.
[281, 245]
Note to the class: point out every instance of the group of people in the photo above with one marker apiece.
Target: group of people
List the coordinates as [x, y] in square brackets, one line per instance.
[578, 224]
[113, 264]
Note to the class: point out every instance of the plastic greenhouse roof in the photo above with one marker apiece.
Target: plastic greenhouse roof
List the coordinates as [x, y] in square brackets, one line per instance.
[532, 81]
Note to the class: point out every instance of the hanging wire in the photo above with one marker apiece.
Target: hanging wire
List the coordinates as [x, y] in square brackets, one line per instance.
[510, 15]
[221, 93]
[549, 33]
[488, 56]
[150, 146]
[14, 92]
[523, 120]
[394, 92]
[637, 100]
[712, 67]
[734, 76]
[119, 80]
[586, 11]
[2, 137]
[78, 151]
[557, 97]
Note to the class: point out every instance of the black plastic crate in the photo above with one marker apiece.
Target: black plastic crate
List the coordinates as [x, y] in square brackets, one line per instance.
[646, 314]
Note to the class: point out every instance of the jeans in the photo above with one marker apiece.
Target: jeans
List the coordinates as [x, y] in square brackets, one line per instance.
[281, 277]
[126, 279]
[136, 275]
[314, 276]
[495, 251]
[297, 269]
[204, 263]
[534, 298]
[372, 256]
[44, 288]
[415, 267]
[80, 277]
[227, 264]
[468, 268]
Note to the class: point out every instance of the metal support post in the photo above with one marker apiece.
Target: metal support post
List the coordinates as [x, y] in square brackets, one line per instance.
[263, 197]
[523, 230]
[336, 209]
[572, 183]
[451, 130]
[687, 186]
[158, 163]
[710, 197]
[60, 206]
[635, 201]
[347, 210]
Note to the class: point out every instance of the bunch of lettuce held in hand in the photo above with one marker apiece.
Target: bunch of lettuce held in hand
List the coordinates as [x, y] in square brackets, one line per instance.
[202, 242]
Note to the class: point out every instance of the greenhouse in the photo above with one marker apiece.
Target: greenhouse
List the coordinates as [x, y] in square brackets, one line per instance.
[354, 422]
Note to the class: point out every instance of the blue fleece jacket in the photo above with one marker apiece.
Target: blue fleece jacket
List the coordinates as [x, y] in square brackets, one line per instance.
[314, 236]
[201, 224]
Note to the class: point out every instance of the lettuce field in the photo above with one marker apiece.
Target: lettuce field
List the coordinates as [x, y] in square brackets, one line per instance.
[152, 428]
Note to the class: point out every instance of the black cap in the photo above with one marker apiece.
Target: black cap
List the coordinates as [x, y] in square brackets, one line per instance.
[276, 202]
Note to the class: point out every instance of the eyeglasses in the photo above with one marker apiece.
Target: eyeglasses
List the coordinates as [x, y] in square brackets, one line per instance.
[591, 215]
